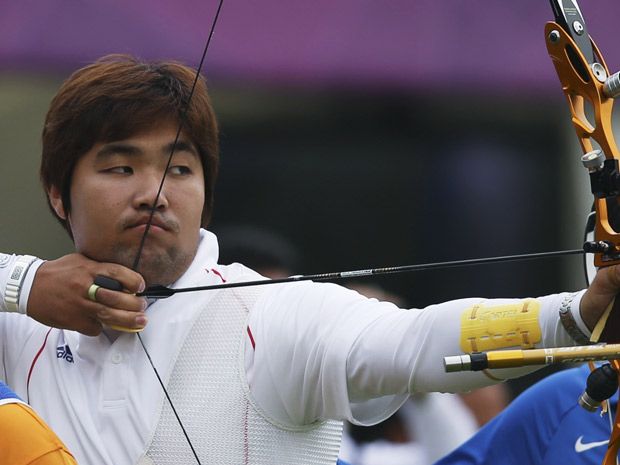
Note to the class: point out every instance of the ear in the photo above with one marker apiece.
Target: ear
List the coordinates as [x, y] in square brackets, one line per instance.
[53, 194]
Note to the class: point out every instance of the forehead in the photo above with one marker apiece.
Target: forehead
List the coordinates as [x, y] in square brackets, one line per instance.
[158, 129]
[159, 138]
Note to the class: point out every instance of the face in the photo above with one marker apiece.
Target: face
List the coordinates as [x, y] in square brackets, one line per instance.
[112, 192]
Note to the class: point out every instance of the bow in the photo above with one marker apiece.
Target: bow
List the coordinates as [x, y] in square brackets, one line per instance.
[590, 92]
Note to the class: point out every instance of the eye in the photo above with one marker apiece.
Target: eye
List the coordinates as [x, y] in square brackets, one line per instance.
[180, 170]
[119, 170]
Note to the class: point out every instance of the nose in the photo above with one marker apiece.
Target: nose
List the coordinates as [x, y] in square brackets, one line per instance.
[148, 193]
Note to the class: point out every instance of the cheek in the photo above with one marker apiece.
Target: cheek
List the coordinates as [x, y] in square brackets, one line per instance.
[194, 200]
[92, 216]
[200, 204]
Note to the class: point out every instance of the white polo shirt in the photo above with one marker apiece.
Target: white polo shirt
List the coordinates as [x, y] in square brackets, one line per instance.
[313, 351]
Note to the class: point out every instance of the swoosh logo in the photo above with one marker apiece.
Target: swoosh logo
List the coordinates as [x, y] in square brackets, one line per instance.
[584, 446]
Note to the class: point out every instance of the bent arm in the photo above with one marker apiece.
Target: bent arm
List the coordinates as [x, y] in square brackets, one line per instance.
[55, 293]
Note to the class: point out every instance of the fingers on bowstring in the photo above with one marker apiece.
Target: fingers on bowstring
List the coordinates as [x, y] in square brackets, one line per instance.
[121, 319]
[120, 300]
[120, 309]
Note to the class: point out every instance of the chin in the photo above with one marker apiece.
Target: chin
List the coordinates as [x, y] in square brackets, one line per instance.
[163, 268]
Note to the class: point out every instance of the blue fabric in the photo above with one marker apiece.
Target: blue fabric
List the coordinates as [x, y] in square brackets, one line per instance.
[341, 462]
[543, 426]
[6, 393]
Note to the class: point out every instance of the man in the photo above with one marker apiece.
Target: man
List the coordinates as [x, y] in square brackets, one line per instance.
[256, 375]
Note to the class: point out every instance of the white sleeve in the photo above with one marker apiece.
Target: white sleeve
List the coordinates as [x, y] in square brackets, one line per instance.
[322, 351]
[6, 265]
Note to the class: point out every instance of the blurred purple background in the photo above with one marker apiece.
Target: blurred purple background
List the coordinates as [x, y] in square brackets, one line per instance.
[411, 44]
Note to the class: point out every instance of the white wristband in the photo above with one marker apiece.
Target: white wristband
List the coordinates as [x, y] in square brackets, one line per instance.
[24, 293]
[13, 287]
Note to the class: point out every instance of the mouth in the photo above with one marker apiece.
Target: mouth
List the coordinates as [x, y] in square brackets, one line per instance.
[157, 225]
[141, 228]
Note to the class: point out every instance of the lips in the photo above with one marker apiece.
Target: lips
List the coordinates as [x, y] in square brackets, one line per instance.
[156, 223]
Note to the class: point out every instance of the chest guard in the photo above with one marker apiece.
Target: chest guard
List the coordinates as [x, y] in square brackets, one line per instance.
[209, 390]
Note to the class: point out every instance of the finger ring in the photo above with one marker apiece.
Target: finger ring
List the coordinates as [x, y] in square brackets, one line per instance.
[92, 292]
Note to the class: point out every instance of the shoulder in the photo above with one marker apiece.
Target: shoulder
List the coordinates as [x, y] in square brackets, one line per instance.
[235, 272]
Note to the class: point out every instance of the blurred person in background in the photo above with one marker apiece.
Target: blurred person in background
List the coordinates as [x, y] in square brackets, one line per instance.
[265, 251]
[545, 425]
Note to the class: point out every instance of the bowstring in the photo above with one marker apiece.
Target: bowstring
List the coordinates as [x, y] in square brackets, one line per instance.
[183, 116]
[149, 222]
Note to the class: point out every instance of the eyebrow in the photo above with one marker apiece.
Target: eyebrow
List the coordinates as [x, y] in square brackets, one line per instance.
[181, 146]
[122, 148]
